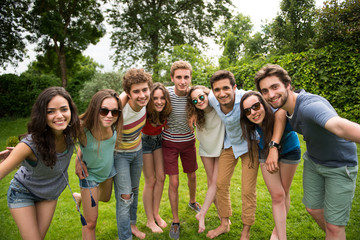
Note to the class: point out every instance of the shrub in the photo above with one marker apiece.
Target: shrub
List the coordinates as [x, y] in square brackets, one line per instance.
[12, 141]
[332, 72]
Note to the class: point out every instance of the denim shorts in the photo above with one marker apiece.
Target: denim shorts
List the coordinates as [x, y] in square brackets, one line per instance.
[92, 184]
[292, 157]
[151, 143]
[18, 196]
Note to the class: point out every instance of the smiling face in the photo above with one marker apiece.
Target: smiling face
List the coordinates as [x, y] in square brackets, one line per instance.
[224, 92]
[181, 80]
[255, 116]
[196, 96]
[139, 95]
[274, 91]
[159, 100]
[58, 114]
[109, 119]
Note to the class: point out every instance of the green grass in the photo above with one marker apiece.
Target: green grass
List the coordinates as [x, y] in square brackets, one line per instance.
[66, 223]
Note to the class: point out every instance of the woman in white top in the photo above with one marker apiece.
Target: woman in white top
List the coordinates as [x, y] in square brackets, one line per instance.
[210, 133]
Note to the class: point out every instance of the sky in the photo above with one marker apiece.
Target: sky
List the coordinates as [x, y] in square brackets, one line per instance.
[258, 10]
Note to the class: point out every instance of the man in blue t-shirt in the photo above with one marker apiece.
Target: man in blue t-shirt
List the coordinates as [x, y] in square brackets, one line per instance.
[330, 162]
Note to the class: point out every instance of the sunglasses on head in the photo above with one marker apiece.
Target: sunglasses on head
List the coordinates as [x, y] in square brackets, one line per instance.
[104, 112]
[195, 101]
[255, 107]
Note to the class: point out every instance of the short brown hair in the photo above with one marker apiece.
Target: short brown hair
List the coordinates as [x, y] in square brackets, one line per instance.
[180, 65]
[222, 74]
[135, 76]
[272, 70]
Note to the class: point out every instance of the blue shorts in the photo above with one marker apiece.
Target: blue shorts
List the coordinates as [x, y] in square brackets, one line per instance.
[18, 196]
[292, 157]
[91, 184]
[151, 143]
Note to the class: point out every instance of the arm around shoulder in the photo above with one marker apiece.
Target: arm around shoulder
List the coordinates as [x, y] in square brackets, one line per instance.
[17, 155]
[344, 128]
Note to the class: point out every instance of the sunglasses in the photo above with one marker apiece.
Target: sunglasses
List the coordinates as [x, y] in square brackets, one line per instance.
[195, 101]
[255, 107]
[104, 112]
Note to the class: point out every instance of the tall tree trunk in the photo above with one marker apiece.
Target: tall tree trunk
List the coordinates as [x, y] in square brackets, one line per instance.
[63, 72]
[60, 51]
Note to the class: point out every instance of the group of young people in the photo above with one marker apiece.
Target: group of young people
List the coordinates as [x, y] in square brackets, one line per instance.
[148, 127]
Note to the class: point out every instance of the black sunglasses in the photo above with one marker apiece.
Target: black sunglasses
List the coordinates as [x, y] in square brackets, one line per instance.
[104, 112]
[255, 107]
[195, 101]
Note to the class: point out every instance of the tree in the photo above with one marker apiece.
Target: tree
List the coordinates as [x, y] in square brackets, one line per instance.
[202, 67]
[144, 29]
[338, 21]
[12, 22]
[65, 25]
[232, 36]
[293, 28]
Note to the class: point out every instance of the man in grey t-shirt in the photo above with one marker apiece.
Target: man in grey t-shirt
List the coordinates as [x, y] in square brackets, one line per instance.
[330, 162]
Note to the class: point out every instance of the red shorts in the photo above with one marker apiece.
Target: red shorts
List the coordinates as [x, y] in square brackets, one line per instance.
[187, 152]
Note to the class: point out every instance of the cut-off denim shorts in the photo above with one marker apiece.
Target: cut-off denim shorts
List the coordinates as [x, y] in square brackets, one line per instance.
[18, 196]
[292, 157]
[92, 184]
[151, 143]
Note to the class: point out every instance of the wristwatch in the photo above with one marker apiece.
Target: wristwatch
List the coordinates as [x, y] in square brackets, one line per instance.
[274, 144]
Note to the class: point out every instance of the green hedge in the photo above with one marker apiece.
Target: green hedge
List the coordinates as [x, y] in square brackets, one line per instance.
[332, 72]
[18, 93]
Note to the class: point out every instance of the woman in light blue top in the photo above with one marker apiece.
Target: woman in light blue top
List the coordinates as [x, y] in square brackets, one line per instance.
[45, 155]
[101, 126]
[258, 117]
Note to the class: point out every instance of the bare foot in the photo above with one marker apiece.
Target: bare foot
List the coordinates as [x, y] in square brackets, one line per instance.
[218, 231]
[77, 197]
[201, 220]
[137, 232]
[154, 228]
[161, 223]
[274, 235]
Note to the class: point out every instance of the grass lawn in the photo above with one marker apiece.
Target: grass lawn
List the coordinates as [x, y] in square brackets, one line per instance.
[66, 222]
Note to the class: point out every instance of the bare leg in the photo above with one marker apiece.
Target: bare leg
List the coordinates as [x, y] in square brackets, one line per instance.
[273, 183]
[159, 185]
[149, 175]
[211, 168]
[245, 233]
[34, 221]
[335, 232]
[174, 196]
[105, 189]
[192, 186]
[90, 213]
[318, 216]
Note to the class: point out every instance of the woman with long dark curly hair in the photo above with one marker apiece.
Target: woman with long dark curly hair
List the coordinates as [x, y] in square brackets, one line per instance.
[257, 117]
[210, 132]
[44, 154]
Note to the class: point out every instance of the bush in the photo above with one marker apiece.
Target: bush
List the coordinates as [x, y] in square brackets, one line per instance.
[12, 141]
[18, 93]
[110, 80]
[332, 72]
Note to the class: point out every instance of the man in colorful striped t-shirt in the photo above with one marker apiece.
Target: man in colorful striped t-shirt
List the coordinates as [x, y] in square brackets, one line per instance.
[179, 139]
[128, 153]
